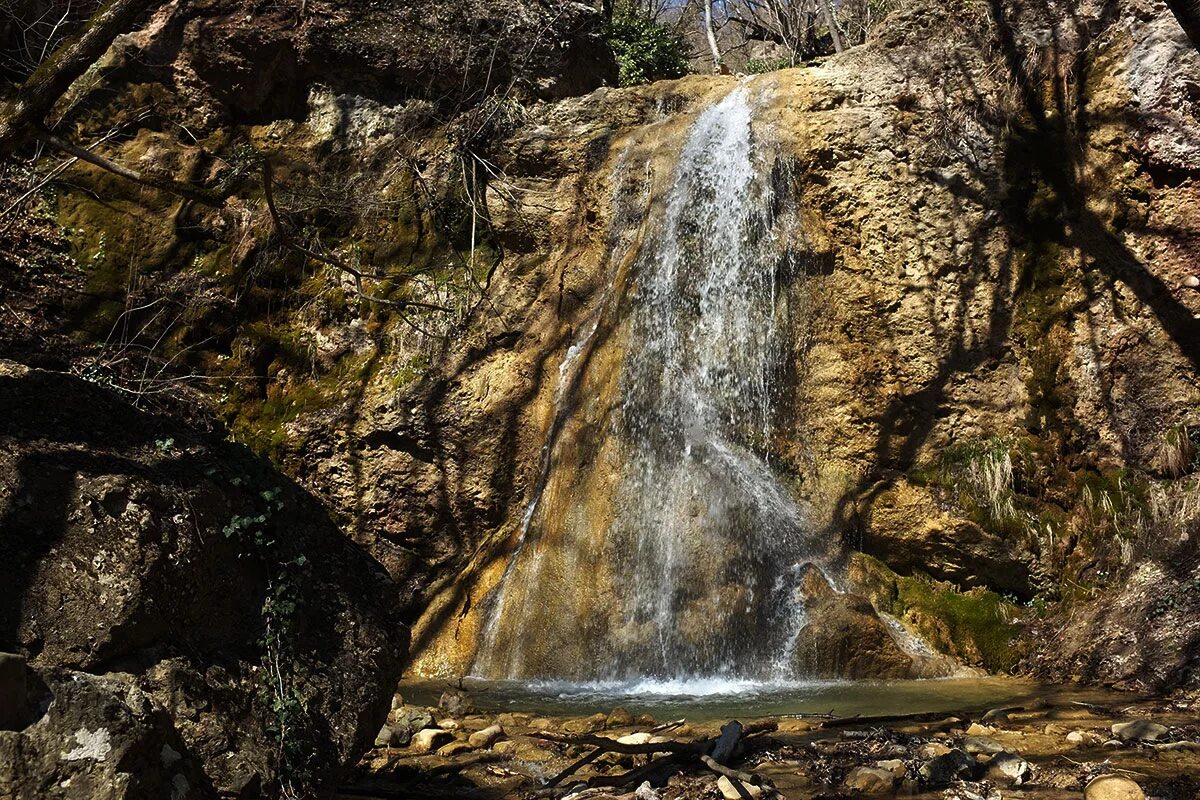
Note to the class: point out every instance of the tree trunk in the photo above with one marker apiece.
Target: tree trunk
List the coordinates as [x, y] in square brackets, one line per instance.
[831, 21]
[712, 36]
[50, 81]
[1188, 14]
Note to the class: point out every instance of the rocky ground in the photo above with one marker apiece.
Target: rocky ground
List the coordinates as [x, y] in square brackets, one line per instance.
[1052, 750]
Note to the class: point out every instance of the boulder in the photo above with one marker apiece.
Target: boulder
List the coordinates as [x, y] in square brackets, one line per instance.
[845, 638]
[203, 564]
[1140, 730]
[870, 780]
[100, 738]
[486, 737]
[1113, 787]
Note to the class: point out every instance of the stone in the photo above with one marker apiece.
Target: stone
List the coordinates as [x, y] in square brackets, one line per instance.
[486, 737]
[1139, 730]
[813, 585]
[893, 765]
[100, 738]
[975, 729]
[725, 786]
[932, 750]
[14, 696]
[386, 737]
[947, 768]
[1081, 737]
[997, 715]
[404, 722]
[1113, 787]
[591, 724]
[981, 744]
[454, 748]
[505, 747]
[619, 718]
[1008, 768]
[870, 780]
[429, 739]
[646, 792]
[456, 703]
[640, 737]
[177, 568]
[542, 724]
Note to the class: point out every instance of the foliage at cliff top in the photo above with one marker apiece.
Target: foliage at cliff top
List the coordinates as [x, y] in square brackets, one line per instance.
[646, 51]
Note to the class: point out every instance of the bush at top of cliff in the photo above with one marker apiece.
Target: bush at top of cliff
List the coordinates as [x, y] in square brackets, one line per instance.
[645, 50]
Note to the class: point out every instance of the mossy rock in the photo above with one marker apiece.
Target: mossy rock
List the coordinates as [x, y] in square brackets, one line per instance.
[978, 627]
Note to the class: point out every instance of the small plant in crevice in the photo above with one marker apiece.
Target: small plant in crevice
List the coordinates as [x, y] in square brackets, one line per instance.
[284, 673]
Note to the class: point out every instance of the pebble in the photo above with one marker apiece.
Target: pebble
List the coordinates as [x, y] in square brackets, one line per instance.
[1076, 737]
[1113, 787]
[975, 729]
[1140, 730]
[894, 766]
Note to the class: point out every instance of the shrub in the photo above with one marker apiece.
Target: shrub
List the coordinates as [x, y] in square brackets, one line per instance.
[758, 66]
[645, 50]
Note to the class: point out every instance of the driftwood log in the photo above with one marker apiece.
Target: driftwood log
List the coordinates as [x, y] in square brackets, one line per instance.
[667, 757]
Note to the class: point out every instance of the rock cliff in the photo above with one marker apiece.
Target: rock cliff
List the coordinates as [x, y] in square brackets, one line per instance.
[992, 409]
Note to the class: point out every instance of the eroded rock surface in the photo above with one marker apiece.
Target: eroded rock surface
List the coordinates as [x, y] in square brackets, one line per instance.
[195, 576]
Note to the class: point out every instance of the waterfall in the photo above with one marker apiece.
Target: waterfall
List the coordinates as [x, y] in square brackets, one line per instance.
[688, 568]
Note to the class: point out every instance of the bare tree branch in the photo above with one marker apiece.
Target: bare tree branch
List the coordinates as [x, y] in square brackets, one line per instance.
[33, 100]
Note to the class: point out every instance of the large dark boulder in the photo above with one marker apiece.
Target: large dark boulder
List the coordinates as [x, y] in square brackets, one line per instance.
[132, 544]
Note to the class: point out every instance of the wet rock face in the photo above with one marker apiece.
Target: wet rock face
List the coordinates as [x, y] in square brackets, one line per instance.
[845, 639]
[129, 543]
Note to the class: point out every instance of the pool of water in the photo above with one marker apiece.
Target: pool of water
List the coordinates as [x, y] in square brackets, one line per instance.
[722, 698]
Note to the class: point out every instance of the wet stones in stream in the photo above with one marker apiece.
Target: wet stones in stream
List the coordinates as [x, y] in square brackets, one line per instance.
[1050, 753]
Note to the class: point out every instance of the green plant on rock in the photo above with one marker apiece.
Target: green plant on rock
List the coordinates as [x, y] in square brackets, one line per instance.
[283, 670]
[646, 51]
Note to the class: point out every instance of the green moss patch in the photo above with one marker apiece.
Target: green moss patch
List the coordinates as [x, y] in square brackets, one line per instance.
[979, 627]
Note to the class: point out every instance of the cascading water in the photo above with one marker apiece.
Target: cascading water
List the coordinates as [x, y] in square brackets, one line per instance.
[691, 570]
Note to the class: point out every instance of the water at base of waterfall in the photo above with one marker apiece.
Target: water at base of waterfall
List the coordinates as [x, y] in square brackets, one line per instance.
[704, 700]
